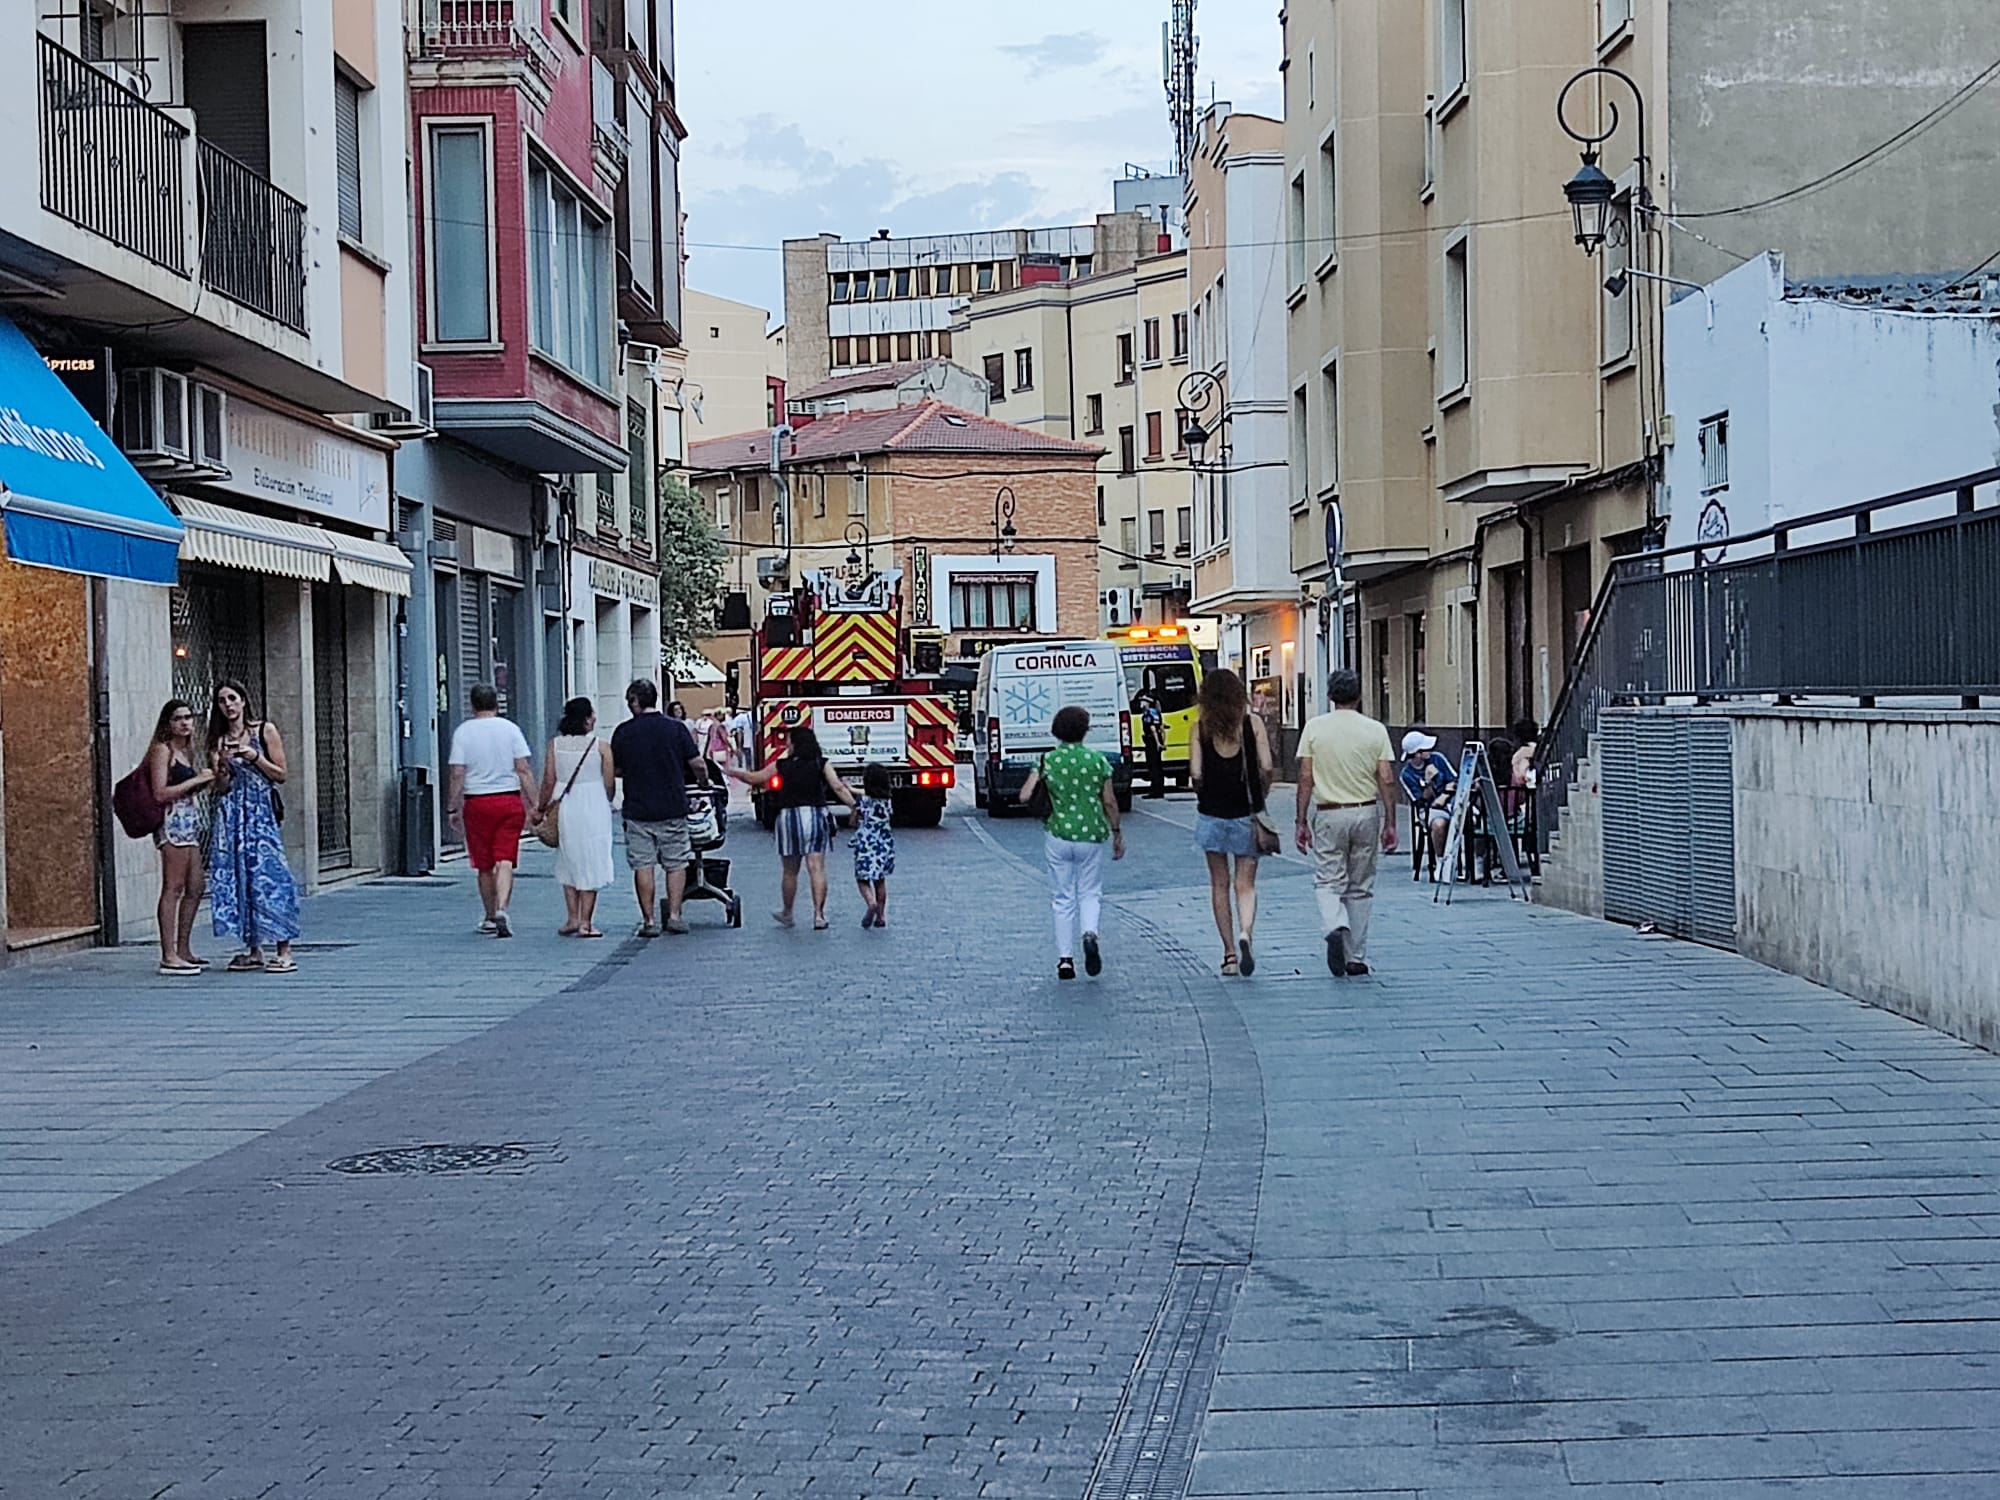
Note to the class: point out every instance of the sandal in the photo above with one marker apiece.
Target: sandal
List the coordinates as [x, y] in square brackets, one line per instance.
[180, 971]
[282, 966]
[820, 924]
[243, 963]
[588, 932]
[1229, 966]
[567, 931]
[1249, 963]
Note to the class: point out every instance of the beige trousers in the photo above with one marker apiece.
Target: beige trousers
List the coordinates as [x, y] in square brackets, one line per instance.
[1347, 845]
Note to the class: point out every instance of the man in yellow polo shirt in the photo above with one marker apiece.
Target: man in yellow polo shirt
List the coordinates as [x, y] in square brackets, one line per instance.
[1347, 818]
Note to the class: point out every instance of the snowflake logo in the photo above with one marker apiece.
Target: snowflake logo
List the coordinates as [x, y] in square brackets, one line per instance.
[1026, 701]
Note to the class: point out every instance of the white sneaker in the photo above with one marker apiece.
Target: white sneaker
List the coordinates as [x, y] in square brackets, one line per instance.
[487, 926]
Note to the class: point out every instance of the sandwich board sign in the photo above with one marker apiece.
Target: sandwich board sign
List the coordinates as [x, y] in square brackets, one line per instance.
[1475, 781]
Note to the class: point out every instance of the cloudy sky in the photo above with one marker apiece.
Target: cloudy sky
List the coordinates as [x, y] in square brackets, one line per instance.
[806, 117]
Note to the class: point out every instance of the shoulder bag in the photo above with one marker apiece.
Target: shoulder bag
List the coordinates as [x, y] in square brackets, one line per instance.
[139, 811]
[1263, 830]
[549, 830]
[1041, 806]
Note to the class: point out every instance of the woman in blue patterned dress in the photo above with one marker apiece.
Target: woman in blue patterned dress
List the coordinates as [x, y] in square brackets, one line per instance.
[874, 845]
[251, 894]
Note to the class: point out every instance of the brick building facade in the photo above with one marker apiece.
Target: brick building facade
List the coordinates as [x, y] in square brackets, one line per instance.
[924, 489]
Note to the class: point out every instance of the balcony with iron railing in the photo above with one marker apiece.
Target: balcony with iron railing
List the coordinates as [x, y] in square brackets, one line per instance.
[136, 175]
[486, 29]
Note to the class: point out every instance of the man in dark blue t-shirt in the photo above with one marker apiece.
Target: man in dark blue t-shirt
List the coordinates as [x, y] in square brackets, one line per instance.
[656, 757]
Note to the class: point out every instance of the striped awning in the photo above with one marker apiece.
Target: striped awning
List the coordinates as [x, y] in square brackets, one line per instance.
[371, 565]
[237, 539]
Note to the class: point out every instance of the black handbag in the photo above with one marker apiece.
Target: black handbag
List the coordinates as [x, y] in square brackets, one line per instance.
[1041, 806]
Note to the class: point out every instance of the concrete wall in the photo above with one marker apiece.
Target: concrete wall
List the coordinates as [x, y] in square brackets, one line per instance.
[1864, 857]
[1767, 94]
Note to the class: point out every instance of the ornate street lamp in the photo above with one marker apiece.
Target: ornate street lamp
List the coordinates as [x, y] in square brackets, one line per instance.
[1591, 193]
[1199, 391]
[1004, 534]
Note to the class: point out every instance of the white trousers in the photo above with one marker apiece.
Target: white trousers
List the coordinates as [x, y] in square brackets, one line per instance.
[1076, 889]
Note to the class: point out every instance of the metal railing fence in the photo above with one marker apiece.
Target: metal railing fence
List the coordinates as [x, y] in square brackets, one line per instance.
[110, 162]
[1908, 612]
[253, 239]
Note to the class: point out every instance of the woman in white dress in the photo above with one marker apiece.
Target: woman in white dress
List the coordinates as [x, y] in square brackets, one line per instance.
[579, 760]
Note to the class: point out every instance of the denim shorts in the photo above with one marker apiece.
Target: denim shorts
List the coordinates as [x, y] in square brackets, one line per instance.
[1237, 836]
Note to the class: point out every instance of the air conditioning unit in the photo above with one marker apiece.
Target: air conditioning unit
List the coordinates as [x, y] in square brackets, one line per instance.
[774, 572]
[1121, 606]
[153, 417]
[208, 429]
[421, 420]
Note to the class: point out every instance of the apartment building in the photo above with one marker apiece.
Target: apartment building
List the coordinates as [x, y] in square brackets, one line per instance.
[735, 367]
[1101, 359]
[614, 595]
[544, 164]
[1238, 407]
[922, 489]
[204, 267]
[850, 304]
[1481, 402]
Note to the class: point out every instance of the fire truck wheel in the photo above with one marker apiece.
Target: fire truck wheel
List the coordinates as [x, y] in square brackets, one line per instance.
[920, 809]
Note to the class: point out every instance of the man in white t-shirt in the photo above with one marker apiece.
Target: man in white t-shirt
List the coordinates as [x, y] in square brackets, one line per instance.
[492, 793]
[742, 736]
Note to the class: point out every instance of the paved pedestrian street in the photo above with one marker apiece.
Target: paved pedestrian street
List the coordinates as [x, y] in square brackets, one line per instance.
[1543, 1207]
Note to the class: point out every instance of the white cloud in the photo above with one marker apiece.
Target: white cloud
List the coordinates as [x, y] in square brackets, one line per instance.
[805, 120]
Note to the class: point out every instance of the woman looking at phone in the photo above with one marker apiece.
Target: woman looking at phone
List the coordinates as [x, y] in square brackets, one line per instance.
[252, 895]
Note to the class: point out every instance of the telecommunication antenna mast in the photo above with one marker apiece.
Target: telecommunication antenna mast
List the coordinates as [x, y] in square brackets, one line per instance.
[1178, 47]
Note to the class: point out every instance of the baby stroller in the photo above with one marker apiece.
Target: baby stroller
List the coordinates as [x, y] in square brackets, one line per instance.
[708, 830]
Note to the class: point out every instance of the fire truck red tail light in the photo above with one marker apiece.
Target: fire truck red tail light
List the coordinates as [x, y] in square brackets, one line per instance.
[777, 783]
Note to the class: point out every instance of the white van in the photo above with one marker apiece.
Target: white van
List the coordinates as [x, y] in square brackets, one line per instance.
[1014, 705]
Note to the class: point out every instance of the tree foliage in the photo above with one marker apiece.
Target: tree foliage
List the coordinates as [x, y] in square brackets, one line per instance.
[692, 555]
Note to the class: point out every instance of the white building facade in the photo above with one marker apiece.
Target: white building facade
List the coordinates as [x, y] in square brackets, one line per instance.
[1788, 400]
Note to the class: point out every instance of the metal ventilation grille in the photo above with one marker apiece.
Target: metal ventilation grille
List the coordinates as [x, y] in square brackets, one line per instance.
[1670, 823]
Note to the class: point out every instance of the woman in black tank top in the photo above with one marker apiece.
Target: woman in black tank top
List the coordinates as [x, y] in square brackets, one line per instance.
[1231, 769]
[799, 787]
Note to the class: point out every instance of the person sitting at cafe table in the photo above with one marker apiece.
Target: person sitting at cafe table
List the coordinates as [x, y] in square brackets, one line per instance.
[1430, 783]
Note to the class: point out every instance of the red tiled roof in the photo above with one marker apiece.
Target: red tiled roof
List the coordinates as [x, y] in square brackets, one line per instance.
[931, 427]
[886, 378]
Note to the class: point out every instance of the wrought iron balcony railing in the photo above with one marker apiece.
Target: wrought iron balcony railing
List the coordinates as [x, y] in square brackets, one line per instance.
[112, 163]
[253, 239]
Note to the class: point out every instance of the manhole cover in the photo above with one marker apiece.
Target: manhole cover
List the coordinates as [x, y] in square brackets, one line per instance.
[432, 1159]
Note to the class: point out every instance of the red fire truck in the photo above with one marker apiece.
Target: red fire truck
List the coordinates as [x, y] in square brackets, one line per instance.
[833, 654]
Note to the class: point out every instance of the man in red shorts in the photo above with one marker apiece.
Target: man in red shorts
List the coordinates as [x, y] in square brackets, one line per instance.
[493, 790]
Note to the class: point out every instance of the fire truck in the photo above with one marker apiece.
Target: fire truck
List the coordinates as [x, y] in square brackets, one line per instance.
[832, 654]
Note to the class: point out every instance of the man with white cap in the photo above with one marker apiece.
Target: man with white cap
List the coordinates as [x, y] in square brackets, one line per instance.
[1430, 782]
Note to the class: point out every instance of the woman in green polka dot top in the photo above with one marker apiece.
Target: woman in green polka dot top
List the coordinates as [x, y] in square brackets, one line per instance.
[1083, 817]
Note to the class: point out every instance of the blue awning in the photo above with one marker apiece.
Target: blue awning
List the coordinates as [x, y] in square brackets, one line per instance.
[68, 498]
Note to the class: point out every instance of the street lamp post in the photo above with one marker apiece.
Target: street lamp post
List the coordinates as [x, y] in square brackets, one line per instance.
[1199, 391]
[1591, 193]
[1004, 534]
[860, 550]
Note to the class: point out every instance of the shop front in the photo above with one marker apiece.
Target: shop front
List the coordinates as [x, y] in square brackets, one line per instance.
[285, 588]
[488, 605]
[80, 532]
[614, 631]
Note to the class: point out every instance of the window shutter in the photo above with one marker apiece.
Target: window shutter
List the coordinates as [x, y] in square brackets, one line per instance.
[226, 77]
[347, 152]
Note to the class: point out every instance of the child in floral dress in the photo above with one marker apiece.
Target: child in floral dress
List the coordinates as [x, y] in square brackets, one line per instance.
[874, 845]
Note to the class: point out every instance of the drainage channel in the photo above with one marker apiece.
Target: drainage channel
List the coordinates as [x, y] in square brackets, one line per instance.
[1150, 1453]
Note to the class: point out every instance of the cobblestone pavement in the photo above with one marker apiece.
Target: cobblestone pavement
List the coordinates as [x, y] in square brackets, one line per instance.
[1543, 1208]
